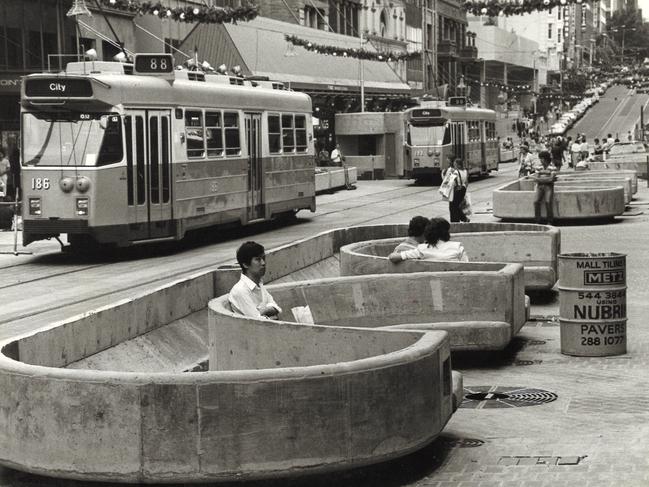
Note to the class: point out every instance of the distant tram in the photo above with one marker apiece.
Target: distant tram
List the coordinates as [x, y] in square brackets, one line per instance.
[436, 134]
[121, 154]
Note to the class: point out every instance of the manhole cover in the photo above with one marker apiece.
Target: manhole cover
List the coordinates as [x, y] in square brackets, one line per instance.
[490, 397]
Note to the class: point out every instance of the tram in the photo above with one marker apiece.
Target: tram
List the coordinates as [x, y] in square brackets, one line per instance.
[116, 153]
[438, 132]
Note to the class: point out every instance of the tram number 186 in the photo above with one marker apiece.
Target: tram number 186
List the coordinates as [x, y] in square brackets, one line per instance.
[40, 183]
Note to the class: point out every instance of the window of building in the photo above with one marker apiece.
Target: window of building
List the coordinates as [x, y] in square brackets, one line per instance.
[232, 138]
[14, 47]
[213, 134]
[171, 45]
[194, 133]
[274, 134]
[559, 35]
[550, 26]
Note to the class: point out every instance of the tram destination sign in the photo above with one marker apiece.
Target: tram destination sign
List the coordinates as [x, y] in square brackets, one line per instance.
[58, 87]
[426, 113]
[154, 64]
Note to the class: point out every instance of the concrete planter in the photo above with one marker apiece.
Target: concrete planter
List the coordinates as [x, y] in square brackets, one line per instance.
[515, 201]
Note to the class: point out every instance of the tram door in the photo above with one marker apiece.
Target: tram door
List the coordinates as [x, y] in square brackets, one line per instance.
[148, 174]
[459, 144]
[255, 167]
[483, 147]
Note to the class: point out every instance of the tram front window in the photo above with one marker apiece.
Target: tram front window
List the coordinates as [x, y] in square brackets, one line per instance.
[71, 139]
[429, 135]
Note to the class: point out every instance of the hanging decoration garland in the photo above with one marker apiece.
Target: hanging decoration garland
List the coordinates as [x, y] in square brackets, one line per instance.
[200, 14]
[351, 52]
[493, 8]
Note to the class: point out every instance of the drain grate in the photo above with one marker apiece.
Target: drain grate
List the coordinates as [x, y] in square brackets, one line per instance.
[491, 397]
[527, 362]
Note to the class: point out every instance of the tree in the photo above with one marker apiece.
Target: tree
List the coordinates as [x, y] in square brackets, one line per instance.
[627, 33]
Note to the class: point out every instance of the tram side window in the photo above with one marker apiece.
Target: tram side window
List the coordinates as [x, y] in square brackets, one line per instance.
[300, 133]
[214, 133]
[111, 150]
[474, 131]
[491, 130]
[194, 133]
[232, 140]
[288, 135]
[274, 134]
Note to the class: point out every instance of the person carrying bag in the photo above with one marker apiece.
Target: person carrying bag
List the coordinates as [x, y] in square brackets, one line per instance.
[457, 199]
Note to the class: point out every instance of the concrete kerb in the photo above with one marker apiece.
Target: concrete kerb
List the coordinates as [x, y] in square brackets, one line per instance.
[515, 201]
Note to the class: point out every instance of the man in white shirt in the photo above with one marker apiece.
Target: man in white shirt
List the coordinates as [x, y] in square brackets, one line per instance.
[337, 157]
[248, 296]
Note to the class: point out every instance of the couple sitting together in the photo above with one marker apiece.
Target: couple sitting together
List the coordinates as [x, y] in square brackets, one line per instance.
[429, 240]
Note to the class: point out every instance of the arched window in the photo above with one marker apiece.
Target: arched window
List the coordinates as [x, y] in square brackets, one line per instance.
[383, 24]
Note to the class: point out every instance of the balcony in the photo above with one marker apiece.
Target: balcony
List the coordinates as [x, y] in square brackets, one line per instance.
[447, 48]
[468, 53]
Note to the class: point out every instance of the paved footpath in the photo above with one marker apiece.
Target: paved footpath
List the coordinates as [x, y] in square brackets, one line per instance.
[585, 421]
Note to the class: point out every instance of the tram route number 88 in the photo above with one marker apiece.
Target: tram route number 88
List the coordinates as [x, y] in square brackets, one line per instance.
[153, 63]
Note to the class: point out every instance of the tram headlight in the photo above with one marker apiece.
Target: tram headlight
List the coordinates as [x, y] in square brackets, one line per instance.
[82, 206]
[82, 184]
[430, 152]
[35, 206]
[66, 184]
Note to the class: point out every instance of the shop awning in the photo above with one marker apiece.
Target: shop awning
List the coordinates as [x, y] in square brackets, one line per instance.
[260, 48]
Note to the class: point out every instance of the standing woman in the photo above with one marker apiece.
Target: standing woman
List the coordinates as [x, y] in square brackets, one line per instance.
[459, 192]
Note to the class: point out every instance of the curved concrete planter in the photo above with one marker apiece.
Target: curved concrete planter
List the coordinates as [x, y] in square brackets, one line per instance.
[496, 291]
[631, 163]
[591, 174]
[127, 426]
[515, 201]
[327, 178]
[585, 182]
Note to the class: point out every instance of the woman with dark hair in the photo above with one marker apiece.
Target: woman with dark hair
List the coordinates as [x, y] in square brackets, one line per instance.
[459, 191]
[438, 245]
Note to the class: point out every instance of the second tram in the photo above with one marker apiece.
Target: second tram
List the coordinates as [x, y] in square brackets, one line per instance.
[437, 133]
[112, 156]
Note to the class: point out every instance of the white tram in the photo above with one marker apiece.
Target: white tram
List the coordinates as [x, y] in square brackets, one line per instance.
[122, 154]
[438, 132]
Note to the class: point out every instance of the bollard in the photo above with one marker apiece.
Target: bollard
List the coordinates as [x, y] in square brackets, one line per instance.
[592, 304]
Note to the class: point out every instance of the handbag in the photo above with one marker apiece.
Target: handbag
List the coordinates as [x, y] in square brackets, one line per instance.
[465, 206]
[447, 186]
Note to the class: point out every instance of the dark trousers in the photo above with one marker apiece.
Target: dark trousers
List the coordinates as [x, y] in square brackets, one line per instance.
[544, 195]
[454, 205]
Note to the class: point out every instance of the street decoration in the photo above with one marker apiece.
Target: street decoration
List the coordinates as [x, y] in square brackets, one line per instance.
[493, 8]
[201, 14]
[382, 56]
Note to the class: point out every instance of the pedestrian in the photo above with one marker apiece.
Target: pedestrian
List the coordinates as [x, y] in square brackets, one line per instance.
[527, 162]
[438, 245]
[248, 296]
[5, 170]
[598, 151]
[544, 178]
[575, 151]
[14, 172]
[629, 136]
[556, 150]
[584, 149]
[416, 229]
[323, 157]
[456, 201]
[337, 157]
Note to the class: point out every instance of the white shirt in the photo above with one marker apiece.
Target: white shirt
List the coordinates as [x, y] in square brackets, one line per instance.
[441, 251]
[336, 156]
[248, 299]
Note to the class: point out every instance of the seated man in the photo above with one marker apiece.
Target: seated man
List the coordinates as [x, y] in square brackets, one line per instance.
[248, 296]
[416, 229]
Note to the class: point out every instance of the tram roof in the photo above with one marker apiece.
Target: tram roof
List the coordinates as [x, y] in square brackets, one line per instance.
[114, 88]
